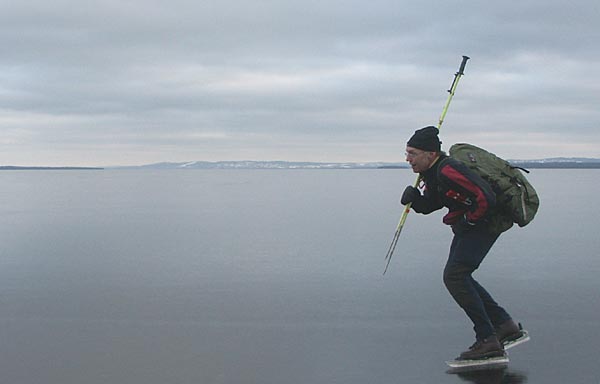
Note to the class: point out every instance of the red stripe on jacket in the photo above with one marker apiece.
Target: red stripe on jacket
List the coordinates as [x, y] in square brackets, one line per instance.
[481, 200]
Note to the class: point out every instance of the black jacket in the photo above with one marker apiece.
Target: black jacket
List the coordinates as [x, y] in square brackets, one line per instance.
[449, 183]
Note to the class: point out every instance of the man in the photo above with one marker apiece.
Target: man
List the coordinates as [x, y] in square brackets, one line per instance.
[471, 202]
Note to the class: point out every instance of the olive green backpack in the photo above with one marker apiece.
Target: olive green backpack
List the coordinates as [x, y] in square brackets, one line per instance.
[515, 196]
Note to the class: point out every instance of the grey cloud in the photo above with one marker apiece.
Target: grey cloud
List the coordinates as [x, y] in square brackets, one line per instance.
[229, 75]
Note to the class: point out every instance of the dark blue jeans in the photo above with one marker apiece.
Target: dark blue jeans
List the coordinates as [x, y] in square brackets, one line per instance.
[466, 254]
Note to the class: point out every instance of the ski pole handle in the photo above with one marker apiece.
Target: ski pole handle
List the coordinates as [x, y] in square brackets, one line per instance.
[461, 71]
[457, 77]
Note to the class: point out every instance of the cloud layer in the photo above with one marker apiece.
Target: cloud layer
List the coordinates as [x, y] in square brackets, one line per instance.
[133, 82]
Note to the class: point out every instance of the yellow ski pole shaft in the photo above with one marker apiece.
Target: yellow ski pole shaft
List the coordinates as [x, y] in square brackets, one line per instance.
[407, 207]
[457, 76]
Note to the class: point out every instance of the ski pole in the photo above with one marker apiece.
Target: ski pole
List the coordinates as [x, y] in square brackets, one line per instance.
[451, 91]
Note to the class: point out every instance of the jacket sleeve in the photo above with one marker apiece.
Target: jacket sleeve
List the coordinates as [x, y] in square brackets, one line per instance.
[469, 190]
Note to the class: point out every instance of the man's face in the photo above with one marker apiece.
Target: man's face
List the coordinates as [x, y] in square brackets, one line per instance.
[419, 160]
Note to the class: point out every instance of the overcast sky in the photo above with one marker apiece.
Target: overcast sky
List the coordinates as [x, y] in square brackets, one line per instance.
[126, 82]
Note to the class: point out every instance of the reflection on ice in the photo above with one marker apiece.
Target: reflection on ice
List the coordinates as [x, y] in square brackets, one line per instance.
[489, 375]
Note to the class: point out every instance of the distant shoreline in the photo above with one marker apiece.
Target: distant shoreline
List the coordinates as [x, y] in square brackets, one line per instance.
[559, 165]
[552, 165]
[282, 165]
[17, 168]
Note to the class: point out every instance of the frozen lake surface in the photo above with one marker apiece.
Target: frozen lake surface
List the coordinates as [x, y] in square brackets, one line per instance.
[275, 276]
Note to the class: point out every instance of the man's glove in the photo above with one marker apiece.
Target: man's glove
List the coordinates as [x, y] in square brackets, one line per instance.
[463, 226]
[410, 194]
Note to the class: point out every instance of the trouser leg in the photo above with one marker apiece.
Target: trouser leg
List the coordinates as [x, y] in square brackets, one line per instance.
[466, 253]
[495, 312]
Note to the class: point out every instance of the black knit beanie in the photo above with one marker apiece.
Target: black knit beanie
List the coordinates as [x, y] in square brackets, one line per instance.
[426, 139]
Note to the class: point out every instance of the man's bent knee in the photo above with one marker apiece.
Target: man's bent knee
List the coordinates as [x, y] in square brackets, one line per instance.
[455, 276]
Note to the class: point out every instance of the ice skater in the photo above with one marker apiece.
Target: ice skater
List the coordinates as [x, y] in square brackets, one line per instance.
[475, 223]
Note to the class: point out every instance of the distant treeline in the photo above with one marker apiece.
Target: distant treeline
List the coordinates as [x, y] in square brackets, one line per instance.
[559, 165]
[291, 165]
[534, 165]
[16, 168]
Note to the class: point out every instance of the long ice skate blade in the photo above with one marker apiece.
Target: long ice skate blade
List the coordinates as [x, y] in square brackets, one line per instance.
[513, 343]
[488, 362]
